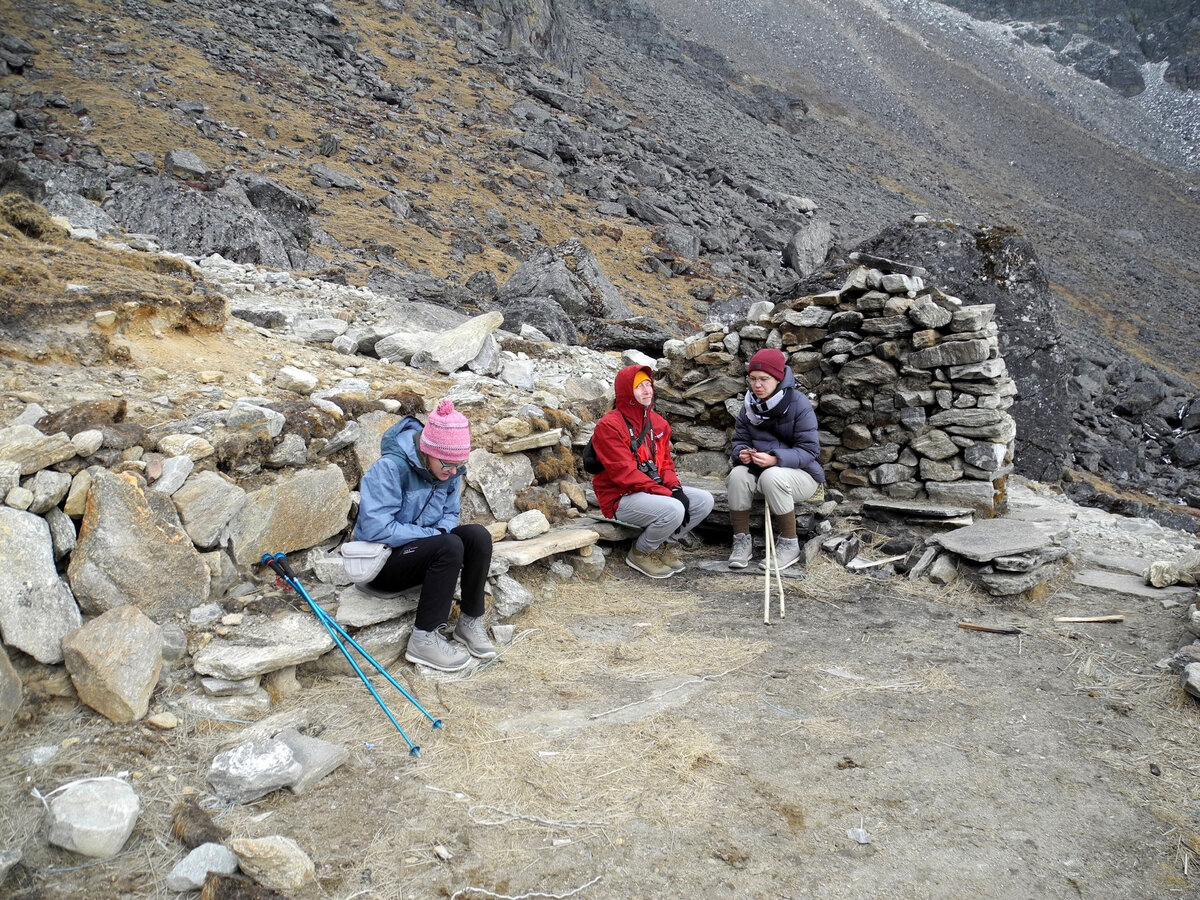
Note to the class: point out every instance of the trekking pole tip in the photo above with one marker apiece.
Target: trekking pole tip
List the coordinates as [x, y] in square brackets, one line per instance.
[437, 723]
[415, 751]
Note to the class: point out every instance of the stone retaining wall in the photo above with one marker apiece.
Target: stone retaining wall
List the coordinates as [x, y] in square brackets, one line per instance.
[910, 390]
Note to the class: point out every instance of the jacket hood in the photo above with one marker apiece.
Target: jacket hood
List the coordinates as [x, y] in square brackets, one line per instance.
[789, 379]
[623, 386]
[400, 444]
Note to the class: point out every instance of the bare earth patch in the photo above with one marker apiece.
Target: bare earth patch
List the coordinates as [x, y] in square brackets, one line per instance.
[647, 739]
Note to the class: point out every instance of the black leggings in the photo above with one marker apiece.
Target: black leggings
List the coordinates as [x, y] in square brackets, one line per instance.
[435, 563]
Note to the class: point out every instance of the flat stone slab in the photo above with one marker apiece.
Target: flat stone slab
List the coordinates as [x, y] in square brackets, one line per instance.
[317, 758]
[1132, 565]
[558, 540]
[264, 646]
[662, 695]
[608, 529]
[1130, 585]
[357, 609]
[984, 541]
[796, 572]
[920, 508]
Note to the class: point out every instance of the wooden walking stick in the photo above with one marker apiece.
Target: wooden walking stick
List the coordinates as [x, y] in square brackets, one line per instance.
[767, 566]
[770, 559]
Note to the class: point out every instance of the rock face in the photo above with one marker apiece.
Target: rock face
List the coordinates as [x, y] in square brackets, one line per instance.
[1106, 41]
[535, 27]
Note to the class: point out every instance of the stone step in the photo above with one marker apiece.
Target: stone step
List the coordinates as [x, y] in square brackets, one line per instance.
[557, 540]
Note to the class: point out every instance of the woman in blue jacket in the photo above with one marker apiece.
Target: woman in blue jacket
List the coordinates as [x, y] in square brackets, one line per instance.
[409, 500]
[775, 453]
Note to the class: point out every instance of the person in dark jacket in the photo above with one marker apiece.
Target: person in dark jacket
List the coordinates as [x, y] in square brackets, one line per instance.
[638, 484]
[410, 501]
[775, 453]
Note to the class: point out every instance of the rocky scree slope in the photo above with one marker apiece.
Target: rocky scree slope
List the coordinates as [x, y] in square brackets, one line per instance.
[426, 153]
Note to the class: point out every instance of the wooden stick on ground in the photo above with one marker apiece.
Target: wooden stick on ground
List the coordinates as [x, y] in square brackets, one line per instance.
[1081, 619]
[991, 629]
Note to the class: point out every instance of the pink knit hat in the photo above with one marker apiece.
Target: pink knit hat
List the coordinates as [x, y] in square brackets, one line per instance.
[447, 434]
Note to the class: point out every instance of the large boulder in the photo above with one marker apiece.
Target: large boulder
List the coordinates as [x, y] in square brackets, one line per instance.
[36, 608]
[298, 511]
[198, 223]
[132, 549]
[569, 276]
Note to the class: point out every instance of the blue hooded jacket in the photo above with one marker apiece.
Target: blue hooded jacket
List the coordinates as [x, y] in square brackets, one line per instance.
[789, 431]
[400, 499]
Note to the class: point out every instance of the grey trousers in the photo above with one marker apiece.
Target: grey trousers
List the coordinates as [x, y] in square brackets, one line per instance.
[782, 487]
[662, 516]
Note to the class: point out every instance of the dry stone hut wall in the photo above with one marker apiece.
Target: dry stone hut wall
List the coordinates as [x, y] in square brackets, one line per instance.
[911, 392]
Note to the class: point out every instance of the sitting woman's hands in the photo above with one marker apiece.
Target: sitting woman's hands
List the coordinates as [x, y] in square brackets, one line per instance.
[760, 458]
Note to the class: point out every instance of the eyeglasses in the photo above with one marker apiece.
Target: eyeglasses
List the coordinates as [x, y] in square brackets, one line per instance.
[761, 379]
[446, 466]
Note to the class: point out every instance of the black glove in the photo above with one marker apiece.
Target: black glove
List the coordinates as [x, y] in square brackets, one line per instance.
[678, 494]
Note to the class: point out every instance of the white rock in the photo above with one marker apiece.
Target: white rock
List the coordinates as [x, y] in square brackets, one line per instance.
[289, 378]
[87, 442]
[94, 817]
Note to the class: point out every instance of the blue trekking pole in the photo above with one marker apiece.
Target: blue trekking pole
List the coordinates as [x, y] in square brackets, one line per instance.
[279, 564]
[331, 623]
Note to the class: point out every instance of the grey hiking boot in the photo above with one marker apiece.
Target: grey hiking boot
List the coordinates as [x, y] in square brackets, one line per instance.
[787, 552]
[648, 563]
[429, 648]
[471, 631]
[668, 553]
[743, 550]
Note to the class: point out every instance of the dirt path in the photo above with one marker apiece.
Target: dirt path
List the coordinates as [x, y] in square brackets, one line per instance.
[656, 739]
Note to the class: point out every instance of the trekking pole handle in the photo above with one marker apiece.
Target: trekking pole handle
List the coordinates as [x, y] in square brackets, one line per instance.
[282, 560]
[276, 567]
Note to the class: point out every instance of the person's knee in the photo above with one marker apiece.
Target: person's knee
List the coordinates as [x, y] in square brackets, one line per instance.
[739, 477]
[739, 487]
[473, 536]
[777, 486]
[450, 547]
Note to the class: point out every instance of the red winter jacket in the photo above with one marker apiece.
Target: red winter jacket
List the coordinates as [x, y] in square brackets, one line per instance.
[611, 441]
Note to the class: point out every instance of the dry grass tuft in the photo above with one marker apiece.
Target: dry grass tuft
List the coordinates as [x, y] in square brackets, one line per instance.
[30, 219]
[554, 463]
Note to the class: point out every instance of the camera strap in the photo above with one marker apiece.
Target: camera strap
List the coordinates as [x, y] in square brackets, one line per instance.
[636, 440]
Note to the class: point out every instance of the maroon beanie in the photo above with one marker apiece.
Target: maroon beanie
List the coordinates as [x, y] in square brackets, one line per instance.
[773, 362]
[447, 434]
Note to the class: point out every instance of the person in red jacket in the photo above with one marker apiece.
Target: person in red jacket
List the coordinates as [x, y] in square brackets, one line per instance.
[638, 484]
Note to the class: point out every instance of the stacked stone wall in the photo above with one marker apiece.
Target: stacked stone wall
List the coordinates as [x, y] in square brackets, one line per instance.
[911, 393]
